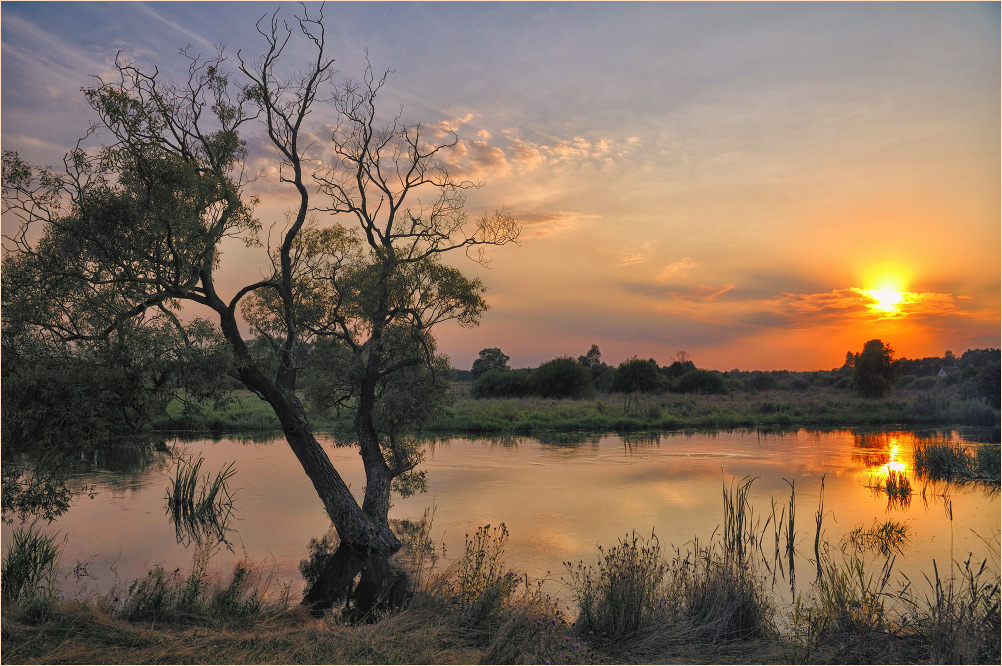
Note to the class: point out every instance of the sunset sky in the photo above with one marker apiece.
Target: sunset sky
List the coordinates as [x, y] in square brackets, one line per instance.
[762, 185]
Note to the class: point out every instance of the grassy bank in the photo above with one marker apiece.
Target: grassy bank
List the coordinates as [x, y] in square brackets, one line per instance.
[637, 603]
[811, 406]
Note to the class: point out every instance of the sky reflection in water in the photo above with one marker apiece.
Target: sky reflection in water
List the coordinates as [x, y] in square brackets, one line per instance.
[559, 498]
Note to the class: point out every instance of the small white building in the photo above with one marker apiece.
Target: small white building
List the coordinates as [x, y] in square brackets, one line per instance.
[947, 371]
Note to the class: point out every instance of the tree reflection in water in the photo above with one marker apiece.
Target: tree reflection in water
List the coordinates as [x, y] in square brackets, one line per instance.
[366, 585]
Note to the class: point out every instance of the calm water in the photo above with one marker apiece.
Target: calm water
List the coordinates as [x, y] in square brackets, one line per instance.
[559, 499]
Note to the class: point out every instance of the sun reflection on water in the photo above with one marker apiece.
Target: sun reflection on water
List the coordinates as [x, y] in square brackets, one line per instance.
[886, 453]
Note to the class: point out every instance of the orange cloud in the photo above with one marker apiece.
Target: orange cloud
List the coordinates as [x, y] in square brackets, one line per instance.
[541, 224]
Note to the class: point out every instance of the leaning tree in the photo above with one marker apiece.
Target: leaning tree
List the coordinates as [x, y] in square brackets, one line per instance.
[126, 236]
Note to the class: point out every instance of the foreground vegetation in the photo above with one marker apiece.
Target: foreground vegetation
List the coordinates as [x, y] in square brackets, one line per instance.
[702, 603]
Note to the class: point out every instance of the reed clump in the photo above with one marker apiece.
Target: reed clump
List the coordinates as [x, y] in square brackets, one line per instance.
[30, 565]
[199, 505]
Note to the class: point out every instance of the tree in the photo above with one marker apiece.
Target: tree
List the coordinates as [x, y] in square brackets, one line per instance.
[490, 359]
[873, 370]
[131, 232]
[592, 358]
[636, 374]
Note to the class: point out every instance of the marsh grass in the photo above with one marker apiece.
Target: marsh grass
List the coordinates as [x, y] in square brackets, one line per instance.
[30, 565]
[200, 506]
[951, 461]
[506, 615]
[810, 406]
[635, 597]
[957, 621]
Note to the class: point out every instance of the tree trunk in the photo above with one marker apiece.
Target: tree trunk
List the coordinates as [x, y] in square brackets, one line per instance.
[357, 529]
[378, 476]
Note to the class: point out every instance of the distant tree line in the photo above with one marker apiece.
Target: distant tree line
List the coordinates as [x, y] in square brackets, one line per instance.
[871, 373]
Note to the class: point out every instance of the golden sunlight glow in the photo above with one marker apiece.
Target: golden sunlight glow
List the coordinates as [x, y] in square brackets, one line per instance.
[885, 284]
[897, 459]
[885, 300]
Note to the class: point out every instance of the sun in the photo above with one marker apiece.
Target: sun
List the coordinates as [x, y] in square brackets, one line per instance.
[885, 299]
[886, 285]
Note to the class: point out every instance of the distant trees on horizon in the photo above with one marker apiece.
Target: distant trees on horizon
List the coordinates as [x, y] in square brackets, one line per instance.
[871, 373]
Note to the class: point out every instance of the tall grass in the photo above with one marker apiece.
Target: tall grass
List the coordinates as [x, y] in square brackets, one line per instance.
[626, 592]
[638, 596]
[30, 565]
[505, 613]
[199, 599]
[957, 621]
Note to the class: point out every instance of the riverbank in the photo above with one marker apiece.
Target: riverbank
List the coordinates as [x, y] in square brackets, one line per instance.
[807, 407]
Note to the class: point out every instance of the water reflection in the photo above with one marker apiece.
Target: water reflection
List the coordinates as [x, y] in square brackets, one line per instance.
[44, 484]
[559, 499]
[363, 585]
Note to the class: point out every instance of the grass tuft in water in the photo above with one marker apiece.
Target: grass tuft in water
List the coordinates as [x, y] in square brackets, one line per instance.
[887, 537]
[199, 506]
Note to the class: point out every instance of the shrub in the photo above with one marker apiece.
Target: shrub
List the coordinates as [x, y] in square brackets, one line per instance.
[924, 383]
[982, 382]
[561, 378]
[501, 384]
[976, 412]
[637, 375]
[677, 369]
[699, 381]
[906, 381]
[762, 381]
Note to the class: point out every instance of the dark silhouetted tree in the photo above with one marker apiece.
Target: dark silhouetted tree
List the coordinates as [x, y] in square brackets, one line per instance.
[491, 358]
[873, 370]
[592, 358]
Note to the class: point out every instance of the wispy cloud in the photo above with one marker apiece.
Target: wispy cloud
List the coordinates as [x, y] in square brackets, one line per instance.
[538, 224]
[193, 36]
[676, 269]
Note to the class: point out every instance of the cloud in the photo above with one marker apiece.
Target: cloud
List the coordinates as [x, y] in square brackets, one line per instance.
[540, 224]
[526, 157]
[679, 268]
[195, 37]
[728, 305]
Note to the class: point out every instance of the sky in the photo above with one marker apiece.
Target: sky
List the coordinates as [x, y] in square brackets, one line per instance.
[762, 185]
